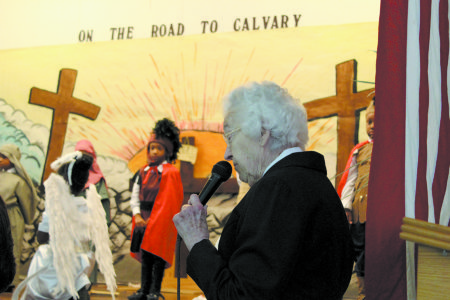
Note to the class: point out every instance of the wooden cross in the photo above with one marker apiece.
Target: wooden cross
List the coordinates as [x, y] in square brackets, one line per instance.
[347, 105]
[62, 104]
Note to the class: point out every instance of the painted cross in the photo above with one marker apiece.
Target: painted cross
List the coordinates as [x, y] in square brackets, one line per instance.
[63, 104]
[195, 185]
[347, 105]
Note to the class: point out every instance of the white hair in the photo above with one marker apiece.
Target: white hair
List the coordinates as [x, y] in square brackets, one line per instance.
[256, 107]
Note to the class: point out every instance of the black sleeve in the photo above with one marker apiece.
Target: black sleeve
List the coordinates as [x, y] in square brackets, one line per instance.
[266, 246]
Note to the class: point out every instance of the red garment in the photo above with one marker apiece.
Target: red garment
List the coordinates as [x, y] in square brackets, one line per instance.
[160, 234]
[343, 180]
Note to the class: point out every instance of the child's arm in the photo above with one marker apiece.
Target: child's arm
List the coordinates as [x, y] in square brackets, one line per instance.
[134, 200]
[348, 192]
[135, 204]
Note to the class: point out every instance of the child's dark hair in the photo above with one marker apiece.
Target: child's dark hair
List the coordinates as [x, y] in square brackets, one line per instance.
[79, 173]
[167, 129]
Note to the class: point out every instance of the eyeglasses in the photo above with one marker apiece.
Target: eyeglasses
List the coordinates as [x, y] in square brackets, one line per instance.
[227, 136]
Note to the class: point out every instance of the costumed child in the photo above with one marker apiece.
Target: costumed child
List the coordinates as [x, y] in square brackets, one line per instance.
[21, 199]
[353, 189]
[71, 226]
[96, 178]
[157, 195]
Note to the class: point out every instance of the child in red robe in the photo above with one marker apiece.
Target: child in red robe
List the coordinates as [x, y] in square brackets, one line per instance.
[157, 195]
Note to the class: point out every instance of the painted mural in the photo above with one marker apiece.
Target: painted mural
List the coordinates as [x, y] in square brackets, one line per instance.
[111, 92]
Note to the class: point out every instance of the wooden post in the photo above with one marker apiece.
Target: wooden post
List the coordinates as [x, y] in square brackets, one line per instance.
[346, 105]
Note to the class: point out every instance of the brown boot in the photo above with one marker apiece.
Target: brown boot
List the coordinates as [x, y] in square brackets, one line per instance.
[361, 289]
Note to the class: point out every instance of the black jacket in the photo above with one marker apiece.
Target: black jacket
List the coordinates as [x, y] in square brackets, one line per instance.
[287, 239]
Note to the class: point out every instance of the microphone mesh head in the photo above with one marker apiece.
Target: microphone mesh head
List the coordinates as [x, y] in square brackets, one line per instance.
[223, 169]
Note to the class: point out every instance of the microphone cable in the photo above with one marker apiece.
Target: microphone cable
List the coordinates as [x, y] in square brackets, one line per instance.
[177, 267]
[221, 172]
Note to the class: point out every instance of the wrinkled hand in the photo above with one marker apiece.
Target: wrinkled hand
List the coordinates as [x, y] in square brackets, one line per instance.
[191, 222]
[139, 221]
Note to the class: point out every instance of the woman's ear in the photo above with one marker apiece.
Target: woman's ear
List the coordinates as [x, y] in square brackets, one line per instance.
[265, 134]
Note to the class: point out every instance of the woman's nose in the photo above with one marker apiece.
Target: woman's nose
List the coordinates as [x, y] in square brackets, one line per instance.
[228, 155]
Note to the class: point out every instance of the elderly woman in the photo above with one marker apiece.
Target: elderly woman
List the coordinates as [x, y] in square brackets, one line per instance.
[288, 238]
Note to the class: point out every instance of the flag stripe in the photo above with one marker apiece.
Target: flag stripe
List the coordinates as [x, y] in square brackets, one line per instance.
[413, 64]
[440, 182]
[421, 207]
[386, 205]
[434, 81]
[412, 106]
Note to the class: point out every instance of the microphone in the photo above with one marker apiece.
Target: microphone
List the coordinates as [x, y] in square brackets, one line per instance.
[221, 172]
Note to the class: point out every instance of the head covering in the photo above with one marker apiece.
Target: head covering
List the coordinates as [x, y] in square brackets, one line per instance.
[163, 141]
[95, 174]
[69, 158]
[12, 152]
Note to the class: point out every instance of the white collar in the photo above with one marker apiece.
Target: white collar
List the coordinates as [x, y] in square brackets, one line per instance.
[283, 154]
[160, 167]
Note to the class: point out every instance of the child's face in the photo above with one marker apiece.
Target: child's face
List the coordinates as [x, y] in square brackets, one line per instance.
[370, 124]
[156, 154]
[5, 163]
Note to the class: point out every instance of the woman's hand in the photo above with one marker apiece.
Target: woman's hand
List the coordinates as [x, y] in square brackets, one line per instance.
[191, 222]
[139, 221]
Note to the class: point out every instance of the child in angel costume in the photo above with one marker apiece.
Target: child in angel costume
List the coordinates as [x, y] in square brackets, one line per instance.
[71, 227]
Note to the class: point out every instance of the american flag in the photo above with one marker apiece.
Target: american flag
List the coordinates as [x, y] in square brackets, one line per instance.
[411, 155]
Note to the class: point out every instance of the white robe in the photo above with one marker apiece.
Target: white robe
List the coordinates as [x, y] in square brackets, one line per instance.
[74, 224]
[44, 284]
